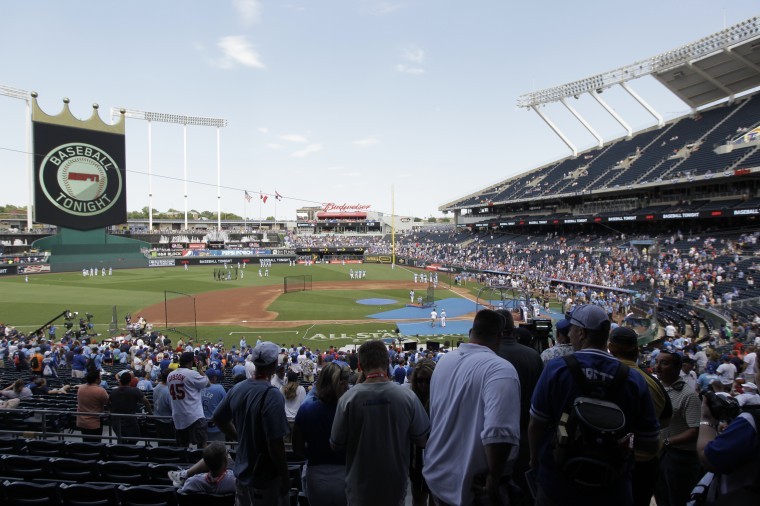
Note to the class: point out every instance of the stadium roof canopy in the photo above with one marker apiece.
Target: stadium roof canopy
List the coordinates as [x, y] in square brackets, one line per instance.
[714, 68]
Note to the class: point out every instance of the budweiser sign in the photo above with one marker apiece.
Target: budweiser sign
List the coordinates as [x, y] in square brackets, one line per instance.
[332, 207]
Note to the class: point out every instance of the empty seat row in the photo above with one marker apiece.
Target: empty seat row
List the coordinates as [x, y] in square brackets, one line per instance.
[31, 467]
[99, 451]
[24, 493]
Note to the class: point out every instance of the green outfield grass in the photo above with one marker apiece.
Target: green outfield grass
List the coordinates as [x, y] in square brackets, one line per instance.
[340, 305]
[320, 335]
[29, 305]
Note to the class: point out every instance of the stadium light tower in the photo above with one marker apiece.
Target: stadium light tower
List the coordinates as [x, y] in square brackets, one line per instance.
[16, 93]
[179, 119]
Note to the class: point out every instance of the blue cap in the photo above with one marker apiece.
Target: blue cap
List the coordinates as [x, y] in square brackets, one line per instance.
[562, 326]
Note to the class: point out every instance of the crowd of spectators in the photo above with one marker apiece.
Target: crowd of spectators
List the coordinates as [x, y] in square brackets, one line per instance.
[203, 394]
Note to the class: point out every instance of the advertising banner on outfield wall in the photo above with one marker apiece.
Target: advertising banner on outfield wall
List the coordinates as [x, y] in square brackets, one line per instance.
[378, 259]
[304, 251]
[252, 262]
[79, 171]
[161, 262]
[33, 269]
[7, 271]
[227, 253]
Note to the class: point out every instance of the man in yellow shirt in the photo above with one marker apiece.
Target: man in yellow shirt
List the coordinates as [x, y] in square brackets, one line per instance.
[623, 345]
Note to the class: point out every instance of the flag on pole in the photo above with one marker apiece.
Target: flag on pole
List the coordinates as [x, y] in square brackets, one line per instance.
[263, 197]
[277, 195]
[247, 197]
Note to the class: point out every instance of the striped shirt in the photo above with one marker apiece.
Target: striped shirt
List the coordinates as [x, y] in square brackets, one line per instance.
[686, 413]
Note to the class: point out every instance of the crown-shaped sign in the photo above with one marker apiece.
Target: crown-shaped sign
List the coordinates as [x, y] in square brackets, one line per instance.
[65, 118]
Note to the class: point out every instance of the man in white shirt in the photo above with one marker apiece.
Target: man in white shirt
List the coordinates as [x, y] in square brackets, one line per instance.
[185, 387]
[475, 394]
[750, 369]
[726, 370]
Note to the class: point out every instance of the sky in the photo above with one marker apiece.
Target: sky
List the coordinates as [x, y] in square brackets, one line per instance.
[401, 105]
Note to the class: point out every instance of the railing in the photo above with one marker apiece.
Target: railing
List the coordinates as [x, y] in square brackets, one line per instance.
[52, 417]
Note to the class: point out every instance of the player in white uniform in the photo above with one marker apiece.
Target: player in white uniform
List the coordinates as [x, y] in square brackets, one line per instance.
[443, 317]
[185, 387]
[433, 317]
[411, 296]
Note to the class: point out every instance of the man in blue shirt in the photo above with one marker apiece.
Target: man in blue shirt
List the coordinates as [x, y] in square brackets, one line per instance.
[554, 394]
[211, 397]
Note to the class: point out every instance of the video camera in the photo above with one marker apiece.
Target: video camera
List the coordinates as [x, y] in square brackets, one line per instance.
[723, 407]
[541, 330]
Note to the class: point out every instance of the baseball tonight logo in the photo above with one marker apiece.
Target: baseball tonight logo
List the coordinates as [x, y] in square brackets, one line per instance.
[80, 179]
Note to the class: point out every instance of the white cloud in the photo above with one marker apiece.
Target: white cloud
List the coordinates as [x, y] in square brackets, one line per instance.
[295, 7]
[415, 71]
[273, 145]
[263, 130]
[381, 7]
[249, 10]
[416, 57]
[294, 138]
[413, 54]
[311, 148]
[368, 141]
[238, 51]
[334, 168]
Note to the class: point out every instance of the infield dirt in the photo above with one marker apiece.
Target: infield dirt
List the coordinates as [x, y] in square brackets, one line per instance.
[246, 306]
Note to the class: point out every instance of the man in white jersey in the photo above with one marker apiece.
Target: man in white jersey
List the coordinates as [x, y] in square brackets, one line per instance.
[185, 387]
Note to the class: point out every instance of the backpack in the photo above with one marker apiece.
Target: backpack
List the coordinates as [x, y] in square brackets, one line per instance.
[593, 448]
[35, 363]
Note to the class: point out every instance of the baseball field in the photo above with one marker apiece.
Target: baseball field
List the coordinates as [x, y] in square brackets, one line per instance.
[337, 311]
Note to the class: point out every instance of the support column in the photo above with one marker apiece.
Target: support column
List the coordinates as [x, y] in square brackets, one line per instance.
[556, 130]
[218, 179]
[150, 176]
[615, 115]
[184, 160]
[599, 140]
[649, 108]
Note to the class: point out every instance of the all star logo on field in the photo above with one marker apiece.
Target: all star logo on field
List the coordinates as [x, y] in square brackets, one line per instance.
[80, 179]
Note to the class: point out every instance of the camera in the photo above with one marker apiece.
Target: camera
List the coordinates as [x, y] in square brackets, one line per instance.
[722, 406]
[540, 330]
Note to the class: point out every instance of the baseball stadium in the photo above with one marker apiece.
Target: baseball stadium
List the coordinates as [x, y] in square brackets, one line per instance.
[657, 229]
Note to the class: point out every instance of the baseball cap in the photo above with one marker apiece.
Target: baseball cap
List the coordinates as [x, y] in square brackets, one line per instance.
[213, 372]
[563, 326]
[589, 317]
[710, 368]
[624, 335]
[676, 357]
[265, 353]
[749, 386]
